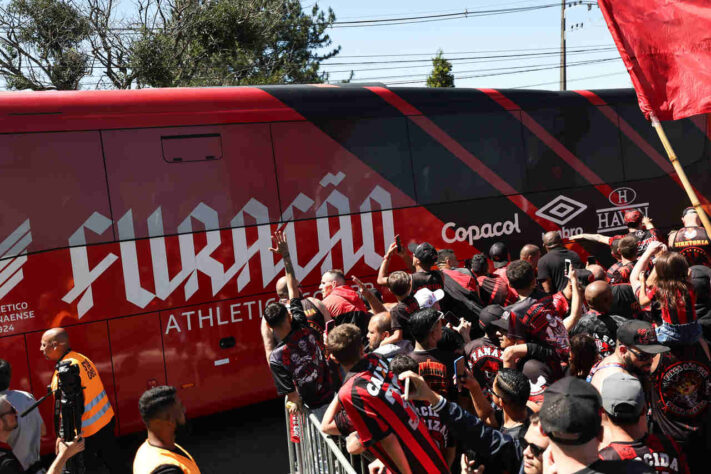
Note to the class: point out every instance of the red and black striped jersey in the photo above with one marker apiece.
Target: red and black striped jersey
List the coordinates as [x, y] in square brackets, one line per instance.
[683, 312]
[619, 273]
[657, 451]
[495, 290]
[373, 400]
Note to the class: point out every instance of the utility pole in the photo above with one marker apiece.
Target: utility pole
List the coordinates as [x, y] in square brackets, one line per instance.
[562, 47]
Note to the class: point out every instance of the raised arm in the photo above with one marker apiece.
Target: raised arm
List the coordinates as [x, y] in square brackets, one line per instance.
[652, 249]
[603, 239]
[385, 265]
[576, 303]
[282, 248]
[376, 305]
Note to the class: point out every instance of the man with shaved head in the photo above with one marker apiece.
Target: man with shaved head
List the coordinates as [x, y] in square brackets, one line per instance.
[531, 253]
[97, 421]
[597, 322]
[551, 267]
[380, 328]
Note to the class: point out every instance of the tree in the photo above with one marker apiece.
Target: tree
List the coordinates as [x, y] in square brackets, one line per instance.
[162, 43]
[441, 75]
[42, 45]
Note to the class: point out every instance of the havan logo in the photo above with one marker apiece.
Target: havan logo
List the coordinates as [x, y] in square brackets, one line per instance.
[612, 218]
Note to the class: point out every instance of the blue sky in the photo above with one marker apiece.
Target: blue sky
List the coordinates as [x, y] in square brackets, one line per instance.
[531, 33]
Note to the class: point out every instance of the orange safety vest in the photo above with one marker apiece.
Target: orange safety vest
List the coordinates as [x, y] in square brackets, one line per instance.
[149, 457]
[97, 408]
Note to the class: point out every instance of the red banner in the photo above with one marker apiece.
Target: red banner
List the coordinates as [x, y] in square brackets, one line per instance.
[666, 47]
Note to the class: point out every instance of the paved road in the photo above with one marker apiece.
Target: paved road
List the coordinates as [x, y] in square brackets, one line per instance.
[246, 440]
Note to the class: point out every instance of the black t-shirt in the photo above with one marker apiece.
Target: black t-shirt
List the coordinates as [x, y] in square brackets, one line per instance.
[658, 452]
[437, 368]
[540, 375]
[617, 467]
[400, 316]
[701, 281]
[431, 279]
[8, 462]
[484, 359]
[551, 266]
[625, 303]
[681, 392]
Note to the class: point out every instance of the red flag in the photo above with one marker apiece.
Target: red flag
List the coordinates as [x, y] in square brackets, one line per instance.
[666, 47]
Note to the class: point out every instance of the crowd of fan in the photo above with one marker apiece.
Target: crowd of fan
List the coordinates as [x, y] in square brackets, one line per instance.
[540, 364]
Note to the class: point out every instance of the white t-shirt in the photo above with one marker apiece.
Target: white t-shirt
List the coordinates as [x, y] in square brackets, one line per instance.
[25, 440]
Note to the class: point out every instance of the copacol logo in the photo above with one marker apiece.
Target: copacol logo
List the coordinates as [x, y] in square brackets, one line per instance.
[562, 210]
[451, 233]
[612, 218]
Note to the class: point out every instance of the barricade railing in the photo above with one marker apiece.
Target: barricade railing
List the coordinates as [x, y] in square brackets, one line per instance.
[313, 452]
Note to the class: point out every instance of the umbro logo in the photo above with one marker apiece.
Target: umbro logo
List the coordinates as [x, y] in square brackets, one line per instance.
[561, 210]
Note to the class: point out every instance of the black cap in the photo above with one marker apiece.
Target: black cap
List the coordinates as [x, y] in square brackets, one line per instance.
[426, 254]
[584, 277]
[641, 335]
[499, 254]
[570, 413]
[489, 315]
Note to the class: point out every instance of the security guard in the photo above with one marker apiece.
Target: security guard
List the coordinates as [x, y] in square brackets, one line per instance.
[97, 421]
[163, 413]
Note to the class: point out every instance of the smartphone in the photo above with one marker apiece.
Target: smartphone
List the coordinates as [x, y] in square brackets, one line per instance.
[568, 264]
[398, 243]
[451, 318]
[329, 325]
[459, 369]
[407, 389]
[592, 260]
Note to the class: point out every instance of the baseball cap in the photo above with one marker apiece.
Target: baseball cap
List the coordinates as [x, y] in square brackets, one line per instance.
[633, 216]
[499, 254]
[584, 277]
[490, 314]
[641, 335]
[688, 210]
[622, 396]
[570, 413]
[426, 297]
[426, 253]
[516, 327]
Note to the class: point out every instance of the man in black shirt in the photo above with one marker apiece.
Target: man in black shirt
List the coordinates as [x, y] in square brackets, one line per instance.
[570, 417]
[701, 280]
[484, 354]
[598, 322]
[400, 285]
[551, 266]
[436, 366]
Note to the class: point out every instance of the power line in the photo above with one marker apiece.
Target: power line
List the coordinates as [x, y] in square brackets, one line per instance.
[570, 80]
[441, 16]
[556, 48]
[505, 73]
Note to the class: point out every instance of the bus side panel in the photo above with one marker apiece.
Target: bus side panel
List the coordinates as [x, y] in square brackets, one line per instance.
[137, 355]
[51, 183]
[91, 340]
[13, 350]
[163, 176]
[214, 354]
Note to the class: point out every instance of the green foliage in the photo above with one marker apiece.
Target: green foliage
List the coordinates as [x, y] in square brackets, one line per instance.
[441, 75]
[43, 48]
[54, 44]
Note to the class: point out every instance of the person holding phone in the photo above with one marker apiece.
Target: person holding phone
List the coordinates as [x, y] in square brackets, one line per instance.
[551, 267]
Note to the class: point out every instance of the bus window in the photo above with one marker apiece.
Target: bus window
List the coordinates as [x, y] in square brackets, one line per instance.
[686, 137]
[447, 167]
[165, 175]
[50, 184]
[352, 158]
[570, 147]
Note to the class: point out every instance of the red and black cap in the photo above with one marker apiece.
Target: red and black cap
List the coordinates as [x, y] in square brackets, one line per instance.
[633, 217]
[641, 335]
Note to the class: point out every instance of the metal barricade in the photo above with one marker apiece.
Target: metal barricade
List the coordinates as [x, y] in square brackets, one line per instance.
[319, 453]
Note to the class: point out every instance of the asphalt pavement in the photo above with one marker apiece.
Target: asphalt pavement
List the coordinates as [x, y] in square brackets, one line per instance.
[250, 439]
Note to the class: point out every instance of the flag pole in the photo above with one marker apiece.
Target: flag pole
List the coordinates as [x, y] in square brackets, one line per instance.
[680, 172]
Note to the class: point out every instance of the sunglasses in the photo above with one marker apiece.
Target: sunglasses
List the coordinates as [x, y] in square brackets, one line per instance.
[11, 410]
[641, 356]
[535, 449]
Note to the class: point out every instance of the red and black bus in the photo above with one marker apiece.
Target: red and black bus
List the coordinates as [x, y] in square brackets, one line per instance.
[141, 220]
